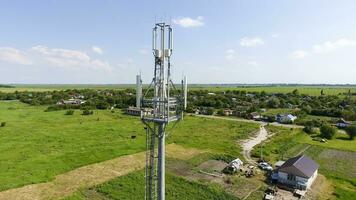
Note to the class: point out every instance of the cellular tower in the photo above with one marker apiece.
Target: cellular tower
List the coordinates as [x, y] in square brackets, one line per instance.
[161, 104]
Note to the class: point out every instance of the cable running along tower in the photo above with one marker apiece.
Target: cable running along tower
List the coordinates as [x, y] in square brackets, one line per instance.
[162, 103]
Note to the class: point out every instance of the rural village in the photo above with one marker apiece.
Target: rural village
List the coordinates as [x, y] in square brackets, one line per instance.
[188, 100]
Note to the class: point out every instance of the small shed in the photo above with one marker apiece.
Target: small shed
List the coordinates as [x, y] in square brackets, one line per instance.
[279, 163]
[234, 166]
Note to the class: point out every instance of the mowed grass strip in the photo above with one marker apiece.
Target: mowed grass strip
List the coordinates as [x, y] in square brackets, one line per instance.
[35, 146]
[132, 187]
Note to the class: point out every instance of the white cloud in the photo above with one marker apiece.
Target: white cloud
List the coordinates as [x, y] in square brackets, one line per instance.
[143, 51]
[275, 35]
[333, 45]
[253, 63]
[188, 22]
[66, 58]
[230, 54]
[299, 54]
[15, 56]
[251, 42]
[97, 50]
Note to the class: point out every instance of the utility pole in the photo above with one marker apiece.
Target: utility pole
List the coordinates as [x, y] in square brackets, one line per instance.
[161, 104]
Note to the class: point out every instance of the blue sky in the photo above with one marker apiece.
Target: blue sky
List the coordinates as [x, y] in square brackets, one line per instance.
[226, 41]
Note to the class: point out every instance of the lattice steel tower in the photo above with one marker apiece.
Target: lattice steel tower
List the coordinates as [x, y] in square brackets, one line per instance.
[162, 103]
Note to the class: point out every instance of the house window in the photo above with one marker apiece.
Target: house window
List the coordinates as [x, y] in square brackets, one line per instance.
[291, 177]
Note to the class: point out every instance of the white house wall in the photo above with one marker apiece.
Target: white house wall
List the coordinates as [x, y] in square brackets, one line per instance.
[283, 178]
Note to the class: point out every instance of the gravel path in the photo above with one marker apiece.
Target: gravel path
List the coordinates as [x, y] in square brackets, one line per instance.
[248, 145]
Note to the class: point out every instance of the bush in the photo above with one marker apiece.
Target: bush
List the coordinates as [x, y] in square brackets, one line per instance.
[351, 131]
[87, 112]
[309, 130]
[327, 131]
[3, 124]
[69, 112]
[221, 112]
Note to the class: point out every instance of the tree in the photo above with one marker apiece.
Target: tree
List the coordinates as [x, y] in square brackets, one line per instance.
[309, 130]
[351, 131]
[221, 112]
[87, 112]
[209, 111]
[327, 131]
[295, 92]
[273, 103]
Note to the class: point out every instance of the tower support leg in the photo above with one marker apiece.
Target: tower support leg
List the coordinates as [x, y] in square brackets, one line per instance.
[161, 164]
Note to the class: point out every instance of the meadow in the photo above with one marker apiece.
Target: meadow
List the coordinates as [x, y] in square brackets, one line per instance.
[313, 90]
[131, 187]
[37, 145]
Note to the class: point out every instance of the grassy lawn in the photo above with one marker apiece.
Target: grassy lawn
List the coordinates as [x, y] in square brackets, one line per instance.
[219, 136]
[132, 187]
[37, 145]
[337, 157]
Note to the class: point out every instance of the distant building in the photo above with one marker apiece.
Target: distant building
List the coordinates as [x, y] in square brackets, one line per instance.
[240, 111]
[211, 93]
[70, 102]
[133, 111]
[234, 166]
[137, 111]
[279, 163]
[298, 172]
[255, 116]
[228, 112]
[285, 118]
[341, 123]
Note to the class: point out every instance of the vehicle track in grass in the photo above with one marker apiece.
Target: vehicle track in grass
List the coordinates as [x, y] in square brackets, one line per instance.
[65, 184]
[247, 145]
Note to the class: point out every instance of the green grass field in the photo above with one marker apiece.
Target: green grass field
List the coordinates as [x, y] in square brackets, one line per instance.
[36, 145]
[131, 187]
[309, 90]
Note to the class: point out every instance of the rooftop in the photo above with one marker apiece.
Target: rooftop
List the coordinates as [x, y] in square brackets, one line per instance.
[301, 166]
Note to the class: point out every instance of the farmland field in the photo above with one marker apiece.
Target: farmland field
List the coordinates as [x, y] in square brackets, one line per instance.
[308, 89]
[37, 145]
[313, 90]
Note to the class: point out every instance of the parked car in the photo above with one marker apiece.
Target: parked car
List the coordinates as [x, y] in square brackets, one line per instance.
[270, 193]
[265, 166]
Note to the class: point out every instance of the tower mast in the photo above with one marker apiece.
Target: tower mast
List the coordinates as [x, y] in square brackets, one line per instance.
[162, 103]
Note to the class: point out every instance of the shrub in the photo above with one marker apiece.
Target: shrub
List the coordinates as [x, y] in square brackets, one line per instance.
[87, 112]
[69, 112]
[351, 131]
[309, 130]
[3, 124]
[327, 131]
[221, 112]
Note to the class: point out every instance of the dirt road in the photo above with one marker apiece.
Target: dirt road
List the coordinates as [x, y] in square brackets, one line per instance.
[66, 184]
[250, 121]
[248, 144]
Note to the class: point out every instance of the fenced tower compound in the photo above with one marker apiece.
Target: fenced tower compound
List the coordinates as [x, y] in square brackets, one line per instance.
[162, 103]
